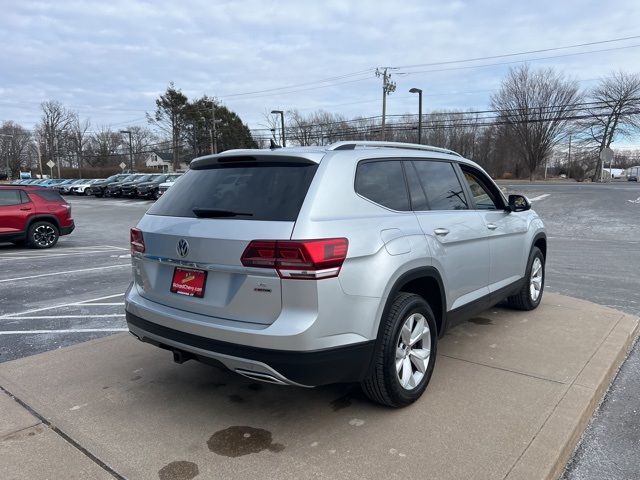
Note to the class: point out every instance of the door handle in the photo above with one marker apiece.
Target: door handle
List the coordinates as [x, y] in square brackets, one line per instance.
[25, 208]
[492, 226]
[441, 231]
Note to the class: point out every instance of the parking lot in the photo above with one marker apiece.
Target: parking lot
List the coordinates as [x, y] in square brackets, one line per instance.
[74, 292]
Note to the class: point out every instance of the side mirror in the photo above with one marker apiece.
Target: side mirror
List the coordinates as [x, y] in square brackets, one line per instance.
[519, 203]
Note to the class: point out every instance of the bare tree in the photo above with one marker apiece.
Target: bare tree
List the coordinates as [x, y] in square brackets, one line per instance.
[616, 112]
[79, 138]
[104, 147]
[53, 127]
[15, 152]
[535, 106]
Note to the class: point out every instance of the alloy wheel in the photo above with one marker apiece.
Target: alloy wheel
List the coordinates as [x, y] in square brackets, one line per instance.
[413, 351]
[44, 235]
[535, 282]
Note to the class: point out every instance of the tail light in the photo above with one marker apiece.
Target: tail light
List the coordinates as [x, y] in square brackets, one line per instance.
[298, 259]
[137, 241]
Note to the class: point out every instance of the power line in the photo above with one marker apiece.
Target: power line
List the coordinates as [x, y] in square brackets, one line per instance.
[527, 52]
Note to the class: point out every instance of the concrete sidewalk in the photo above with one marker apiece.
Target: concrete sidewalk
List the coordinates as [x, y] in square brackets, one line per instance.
[510, 396]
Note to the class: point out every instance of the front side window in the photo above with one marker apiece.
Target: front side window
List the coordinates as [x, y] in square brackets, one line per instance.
[483, 197]
[9, 197]
[441, 185]
[383, 182]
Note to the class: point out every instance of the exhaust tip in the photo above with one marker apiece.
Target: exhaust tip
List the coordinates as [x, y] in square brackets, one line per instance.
[263, 377]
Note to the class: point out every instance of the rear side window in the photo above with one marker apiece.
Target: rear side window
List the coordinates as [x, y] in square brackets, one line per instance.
[266, 191]
[441, 185]
[49, 195]
[9, 197]
[383, 182]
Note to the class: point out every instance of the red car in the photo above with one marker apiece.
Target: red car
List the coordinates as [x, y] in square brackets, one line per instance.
[33, 215]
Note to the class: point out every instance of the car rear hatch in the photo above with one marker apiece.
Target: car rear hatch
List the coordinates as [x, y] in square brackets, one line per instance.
[204, 223]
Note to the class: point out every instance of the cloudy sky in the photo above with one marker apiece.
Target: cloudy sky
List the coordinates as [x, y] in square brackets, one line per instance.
[108, 60]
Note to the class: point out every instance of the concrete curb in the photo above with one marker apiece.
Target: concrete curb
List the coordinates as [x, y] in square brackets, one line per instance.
[551, 449]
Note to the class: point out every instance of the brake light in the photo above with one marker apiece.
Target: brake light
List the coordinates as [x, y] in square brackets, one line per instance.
[298, 259]
[137, 241]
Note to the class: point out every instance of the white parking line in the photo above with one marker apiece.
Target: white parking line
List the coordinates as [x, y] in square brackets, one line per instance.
[51, 255]
[62, 273]
[539, 197]
[101, 304]
[83, 302]
[49, 317]
[71, 330]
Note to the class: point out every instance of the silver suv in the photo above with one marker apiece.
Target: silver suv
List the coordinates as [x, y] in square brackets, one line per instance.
[344, 263]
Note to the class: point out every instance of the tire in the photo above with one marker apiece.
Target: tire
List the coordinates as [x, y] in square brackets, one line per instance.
[384, 383]
[155, 195]
[42, 234]
[524, 299]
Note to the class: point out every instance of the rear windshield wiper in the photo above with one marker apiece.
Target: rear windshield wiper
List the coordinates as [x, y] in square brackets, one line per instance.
[216, 213]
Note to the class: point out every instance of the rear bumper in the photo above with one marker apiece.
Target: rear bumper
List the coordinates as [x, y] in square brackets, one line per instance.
[348, 363]
[68, 229]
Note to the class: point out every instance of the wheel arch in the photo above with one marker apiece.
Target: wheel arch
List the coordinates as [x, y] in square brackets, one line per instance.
[38, 218]
[540, 241]
[426, 282]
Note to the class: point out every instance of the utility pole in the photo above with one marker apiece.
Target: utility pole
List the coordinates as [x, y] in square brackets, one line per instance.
[569, 157]
[130, 150]
[214, 131]
[419, 92]
[281, 113]
[56, 160]
[388, 86]
[39, 156]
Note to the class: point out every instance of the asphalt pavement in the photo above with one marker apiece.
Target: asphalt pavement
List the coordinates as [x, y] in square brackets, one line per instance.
[73, 292]
[594, 254]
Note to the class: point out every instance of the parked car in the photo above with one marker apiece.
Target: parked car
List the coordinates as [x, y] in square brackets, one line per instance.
[346, 264]
[99, 188]
[82, 188]
[65, 189]
[36, 216]
[126, 186]
[130, 189]
[149, 189]
[632, 178]
[50, 182]
[163, 187]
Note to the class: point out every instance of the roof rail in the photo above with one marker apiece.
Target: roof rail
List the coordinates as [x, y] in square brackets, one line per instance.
[352, 145]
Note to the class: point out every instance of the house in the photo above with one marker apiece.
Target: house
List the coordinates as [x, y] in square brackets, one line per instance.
[163, 161]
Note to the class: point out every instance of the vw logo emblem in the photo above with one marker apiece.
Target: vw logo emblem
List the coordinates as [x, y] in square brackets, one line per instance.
[182, 248]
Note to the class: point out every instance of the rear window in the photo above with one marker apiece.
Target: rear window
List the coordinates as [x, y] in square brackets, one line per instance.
[265, 191]
[49, 195]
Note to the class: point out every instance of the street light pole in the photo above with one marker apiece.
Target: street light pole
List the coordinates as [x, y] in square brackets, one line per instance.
[419, 92]
[130, 150]
[281, 113]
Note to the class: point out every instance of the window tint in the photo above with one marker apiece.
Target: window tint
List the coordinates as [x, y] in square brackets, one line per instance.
[49, 195]
[267, 191]
[441, 184]
[9, 197]
[383, 183]
[24, 198]
[483, 197]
